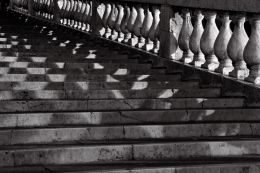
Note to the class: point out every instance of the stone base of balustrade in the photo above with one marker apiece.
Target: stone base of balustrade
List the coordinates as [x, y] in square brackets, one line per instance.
[210, 66]
[254, 75]
[133, 41]
[120, 39]
[148, 47]
[140, 45]
[224, 70]
[187, 59]
[239, 73]
[253, 79]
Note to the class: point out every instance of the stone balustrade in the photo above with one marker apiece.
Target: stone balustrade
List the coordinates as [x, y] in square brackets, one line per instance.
[203, 33]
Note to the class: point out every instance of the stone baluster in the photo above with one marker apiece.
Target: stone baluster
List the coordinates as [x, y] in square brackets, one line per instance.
[72, 21]
[75, 15]
[221, 43]
[82, 14]
[130, 26]
[152, 40]
[105, 17]
[61, 5]
[138, 26]
[45, 9]
[49, 9]
[156, 41]
[236, 47]
[41, 4]
[85, 18]
[195, 38]
[30, 7]
[252, 51]
[184, 37]
[66, 22]
[79, 14]
[111, 22]
[207, 41]
[147, 24]
[89, 17]
[118, 23]
[126, 18]
[70, 7]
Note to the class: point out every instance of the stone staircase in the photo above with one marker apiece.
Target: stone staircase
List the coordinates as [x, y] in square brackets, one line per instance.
[73, 103]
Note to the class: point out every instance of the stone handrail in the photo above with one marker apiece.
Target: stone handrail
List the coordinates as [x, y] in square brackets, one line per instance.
[196, 32]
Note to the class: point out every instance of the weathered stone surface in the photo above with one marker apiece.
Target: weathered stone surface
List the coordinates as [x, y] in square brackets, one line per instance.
[72, 155]
[185, 150]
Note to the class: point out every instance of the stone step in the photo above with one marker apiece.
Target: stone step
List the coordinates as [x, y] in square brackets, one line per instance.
[48, 47]
[156, 117]
[120, 71]
[86, 78]
[69, 65]
[12, 56]
[34, 49]
[83, 154]
[123, 104]
[146, 167]
[123, 85]
[107, 94]
[100, 60]
[127, 133]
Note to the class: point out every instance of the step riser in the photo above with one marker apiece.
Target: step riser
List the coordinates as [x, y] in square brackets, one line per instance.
[124, 133]
[121, 71]
[126, 104]
[206, 168]
[90, 66]
[137, 152]
[128, 117]
[95, 85]
[107, 94]
[85, 78]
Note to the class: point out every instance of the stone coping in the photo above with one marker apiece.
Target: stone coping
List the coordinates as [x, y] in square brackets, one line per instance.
[252, 6]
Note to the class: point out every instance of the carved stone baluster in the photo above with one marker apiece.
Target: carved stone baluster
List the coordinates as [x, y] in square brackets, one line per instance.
[108, 29]
[85, 19]
[105, 17]
[75, 11]
[207, 41]
[118, 23]
[111, 22]
[62, 6]
[252, 51]
[138, 26]
[74, 14]
[72, 21]
[156, 42]
[147, 24]
[48, 5]
[127, 13]
[184, 37]
[198, 58]
[154, 34]
[89, 17]
[221, 44]
[82, 12]
[130, 26]
[67, 12]
[236, 47]
[152, 40]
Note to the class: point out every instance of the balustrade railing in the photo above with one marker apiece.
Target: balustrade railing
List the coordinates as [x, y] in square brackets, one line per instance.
[198, 33]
